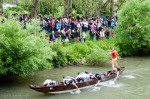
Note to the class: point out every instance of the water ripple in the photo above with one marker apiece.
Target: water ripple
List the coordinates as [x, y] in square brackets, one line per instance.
[94, 89]
[112, 84]
[129, 76]
[75, 92]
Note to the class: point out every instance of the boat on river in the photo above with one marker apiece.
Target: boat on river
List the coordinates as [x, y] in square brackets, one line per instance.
[61, 88]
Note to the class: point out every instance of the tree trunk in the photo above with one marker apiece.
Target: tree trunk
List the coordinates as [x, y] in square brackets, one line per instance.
[111, 8]
[34, 8]
[66, 8]
[70, 8]
[1, 6]
[99, 10]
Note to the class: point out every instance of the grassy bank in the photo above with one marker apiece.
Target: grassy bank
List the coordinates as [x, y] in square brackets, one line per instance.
[89, 53]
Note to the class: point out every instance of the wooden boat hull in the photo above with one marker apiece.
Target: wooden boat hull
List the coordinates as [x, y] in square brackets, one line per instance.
[61, 88]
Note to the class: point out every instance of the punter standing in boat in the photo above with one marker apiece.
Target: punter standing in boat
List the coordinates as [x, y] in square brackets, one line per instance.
[114, 55]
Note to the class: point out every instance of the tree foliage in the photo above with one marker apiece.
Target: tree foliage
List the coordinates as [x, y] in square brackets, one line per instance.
[58, 8]
[133, 31]
[21, 51]
[51, 7]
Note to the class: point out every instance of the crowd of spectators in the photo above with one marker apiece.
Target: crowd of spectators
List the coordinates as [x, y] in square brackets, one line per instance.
[73, 29]
[70, 29]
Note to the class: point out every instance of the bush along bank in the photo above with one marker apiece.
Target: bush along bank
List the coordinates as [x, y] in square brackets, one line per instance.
[89, 53]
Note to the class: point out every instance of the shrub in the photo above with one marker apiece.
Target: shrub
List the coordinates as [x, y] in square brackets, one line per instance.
[133, 31]
[60, 58]
[99, 53]
[77, 51]
[20, 52]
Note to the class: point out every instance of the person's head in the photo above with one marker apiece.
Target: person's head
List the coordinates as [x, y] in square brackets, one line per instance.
[114, 70]
[78, 79]
[86, 72]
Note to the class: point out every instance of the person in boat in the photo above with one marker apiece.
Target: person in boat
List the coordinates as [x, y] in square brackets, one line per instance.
[95, 76]
[114, 55]
[111, 72]
[85, 76]
[92, 75]
[49, 82]
[68, 81]
[99, 76]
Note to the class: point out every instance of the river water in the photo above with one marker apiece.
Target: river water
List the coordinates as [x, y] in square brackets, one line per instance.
[134, 83]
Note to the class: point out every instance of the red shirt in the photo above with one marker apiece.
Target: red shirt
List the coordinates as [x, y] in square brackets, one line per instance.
[114, 54]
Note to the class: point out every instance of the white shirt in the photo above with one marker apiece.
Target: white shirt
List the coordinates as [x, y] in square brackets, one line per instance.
[102, 33]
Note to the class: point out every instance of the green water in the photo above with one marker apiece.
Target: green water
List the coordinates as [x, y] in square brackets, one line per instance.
[134, 83]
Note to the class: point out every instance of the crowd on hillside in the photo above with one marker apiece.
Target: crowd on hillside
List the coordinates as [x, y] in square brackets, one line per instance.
[71, 29]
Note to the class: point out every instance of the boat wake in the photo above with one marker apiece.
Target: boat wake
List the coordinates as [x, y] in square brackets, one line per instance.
[94, 89]
[129, 76]
[75, 92]
[111, 84]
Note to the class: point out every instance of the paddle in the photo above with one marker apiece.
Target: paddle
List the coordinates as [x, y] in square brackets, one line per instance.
[116, 76]
[76, 91]
[97, 83]
[72, 81]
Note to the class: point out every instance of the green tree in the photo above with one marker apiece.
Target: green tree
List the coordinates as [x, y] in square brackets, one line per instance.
[22, 51]
[133, 31]
[119, 3]
[51, 7]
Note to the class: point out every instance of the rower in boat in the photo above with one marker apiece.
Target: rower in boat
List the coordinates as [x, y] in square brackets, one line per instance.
[92, 75]
[113, 71]
[68, 81]
[49, 82]
[101, 76]
[85, 76]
